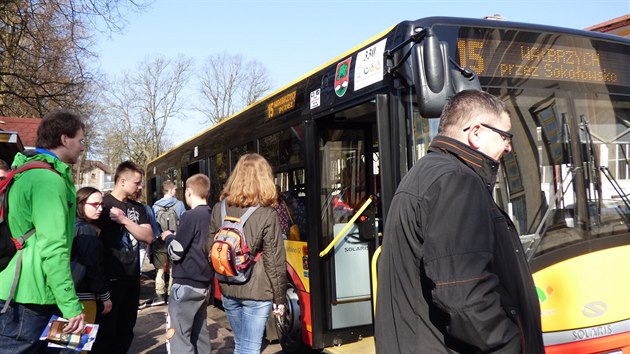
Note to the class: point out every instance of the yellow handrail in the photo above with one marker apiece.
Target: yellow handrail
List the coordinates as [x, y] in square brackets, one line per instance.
[345, 228]
[375, 256]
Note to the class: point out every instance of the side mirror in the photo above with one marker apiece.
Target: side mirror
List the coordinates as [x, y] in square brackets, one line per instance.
[435, 82]
[432, 78]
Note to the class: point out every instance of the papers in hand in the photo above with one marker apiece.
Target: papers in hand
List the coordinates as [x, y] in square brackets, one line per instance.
[53, 333]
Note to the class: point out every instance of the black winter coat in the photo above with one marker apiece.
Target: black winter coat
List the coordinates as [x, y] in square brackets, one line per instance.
[453, 277]
[87, 250]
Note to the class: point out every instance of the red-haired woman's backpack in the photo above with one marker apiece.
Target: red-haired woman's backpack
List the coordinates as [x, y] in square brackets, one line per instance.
[230, 254]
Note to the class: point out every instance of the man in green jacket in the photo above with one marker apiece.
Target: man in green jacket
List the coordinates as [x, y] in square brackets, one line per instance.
[47, 201]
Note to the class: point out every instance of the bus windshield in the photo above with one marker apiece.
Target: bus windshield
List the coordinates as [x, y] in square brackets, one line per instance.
[570, 117]
[581, 149]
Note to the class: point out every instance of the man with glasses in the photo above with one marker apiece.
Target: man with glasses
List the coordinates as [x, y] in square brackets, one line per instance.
[123, 224]
[46, 201]
[452, 274]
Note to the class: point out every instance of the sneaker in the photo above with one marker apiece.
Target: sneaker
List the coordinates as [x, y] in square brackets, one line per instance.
[158, 300]
[144, 305]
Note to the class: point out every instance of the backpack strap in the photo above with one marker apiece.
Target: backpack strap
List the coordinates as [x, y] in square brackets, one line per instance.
[242, 220]
[20, 241]
[223, 210]
[18, 269]
[19, 245]
[248, 213]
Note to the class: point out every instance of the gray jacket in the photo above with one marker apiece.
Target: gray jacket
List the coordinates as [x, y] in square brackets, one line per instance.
[268, 281]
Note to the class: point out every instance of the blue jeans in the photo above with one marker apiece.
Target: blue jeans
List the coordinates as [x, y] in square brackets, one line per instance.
[247, 319]
[21, 326]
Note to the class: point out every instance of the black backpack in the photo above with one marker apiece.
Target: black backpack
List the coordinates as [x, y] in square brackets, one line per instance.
[10, 245]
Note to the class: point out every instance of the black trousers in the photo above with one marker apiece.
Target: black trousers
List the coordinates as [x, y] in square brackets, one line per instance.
[115, 332]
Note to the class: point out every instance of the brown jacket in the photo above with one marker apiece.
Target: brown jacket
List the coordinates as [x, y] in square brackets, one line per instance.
[268, 281]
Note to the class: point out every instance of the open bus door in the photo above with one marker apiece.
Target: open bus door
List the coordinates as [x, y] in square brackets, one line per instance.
[348, 213]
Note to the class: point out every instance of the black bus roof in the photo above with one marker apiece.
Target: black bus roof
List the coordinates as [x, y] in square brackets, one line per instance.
[420, 23]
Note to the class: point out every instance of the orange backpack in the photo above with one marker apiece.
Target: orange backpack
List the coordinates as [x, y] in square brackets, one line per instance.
[230, 254]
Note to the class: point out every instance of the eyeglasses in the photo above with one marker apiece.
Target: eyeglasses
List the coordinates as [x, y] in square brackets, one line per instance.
[507, 137]
[95, 205]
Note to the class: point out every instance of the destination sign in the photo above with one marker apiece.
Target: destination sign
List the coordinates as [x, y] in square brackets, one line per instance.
[545, 60]
[281, 105]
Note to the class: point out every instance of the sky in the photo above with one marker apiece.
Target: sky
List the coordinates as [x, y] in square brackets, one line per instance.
[293, 37]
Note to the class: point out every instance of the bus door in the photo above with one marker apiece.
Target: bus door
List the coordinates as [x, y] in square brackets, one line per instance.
[349, 178]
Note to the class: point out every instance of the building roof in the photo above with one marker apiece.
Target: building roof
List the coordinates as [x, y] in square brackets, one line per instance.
[25, 127]
[619, 26]
[92, 164]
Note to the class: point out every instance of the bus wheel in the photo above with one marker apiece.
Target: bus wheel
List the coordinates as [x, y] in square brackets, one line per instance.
[290, 330]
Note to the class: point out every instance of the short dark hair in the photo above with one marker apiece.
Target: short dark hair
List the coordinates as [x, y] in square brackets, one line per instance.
[125, 167]
[468, 103]
[4, 165]
[54, 125]
[82, 196]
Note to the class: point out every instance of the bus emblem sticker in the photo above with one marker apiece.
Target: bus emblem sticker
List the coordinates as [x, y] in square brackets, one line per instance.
[342, 77]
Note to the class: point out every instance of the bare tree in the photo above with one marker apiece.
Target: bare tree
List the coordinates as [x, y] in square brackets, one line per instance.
[44, 51]
[139, 106]
[229, 84]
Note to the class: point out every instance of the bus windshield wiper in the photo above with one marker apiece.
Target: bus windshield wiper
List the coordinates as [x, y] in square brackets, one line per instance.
[613, 182]
[603, 169]
[535, 238]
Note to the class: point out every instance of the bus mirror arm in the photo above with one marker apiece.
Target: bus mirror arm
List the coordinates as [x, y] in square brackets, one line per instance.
[345, 229]
[433, 80]
[466, 72]
[389, 54]
[464, 78]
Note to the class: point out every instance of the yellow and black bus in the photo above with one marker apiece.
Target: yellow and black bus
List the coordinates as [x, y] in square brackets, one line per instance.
[341, 137]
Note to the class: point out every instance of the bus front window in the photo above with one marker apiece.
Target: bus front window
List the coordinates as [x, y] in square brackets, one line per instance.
[578, 141]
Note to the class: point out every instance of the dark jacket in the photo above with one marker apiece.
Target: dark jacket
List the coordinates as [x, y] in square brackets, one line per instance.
[190, 262]
[268, 281]
[87, 252]
[452, 275]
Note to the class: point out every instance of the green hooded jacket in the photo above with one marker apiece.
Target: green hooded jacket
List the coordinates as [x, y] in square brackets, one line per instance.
[46, 200]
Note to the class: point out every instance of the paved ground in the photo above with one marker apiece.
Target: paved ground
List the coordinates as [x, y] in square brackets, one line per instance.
[150, 328]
